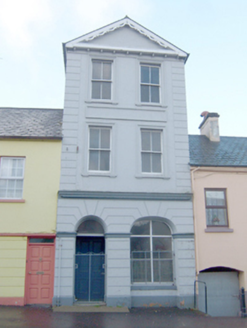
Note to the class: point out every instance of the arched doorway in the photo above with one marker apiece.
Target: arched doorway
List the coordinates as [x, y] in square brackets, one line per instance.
[90, 262]
[222, 291]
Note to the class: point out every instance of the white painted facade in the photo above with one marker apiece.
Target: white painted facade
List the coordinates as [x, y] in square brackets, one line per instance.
[119, 197]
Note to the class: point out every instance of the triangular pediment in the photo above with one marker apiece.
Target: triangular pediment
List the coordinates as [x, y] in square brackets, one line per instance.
[127, 35]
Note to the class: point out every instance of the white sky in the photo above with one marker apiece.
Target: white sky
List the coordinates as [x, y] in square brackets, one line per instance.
[214, 32]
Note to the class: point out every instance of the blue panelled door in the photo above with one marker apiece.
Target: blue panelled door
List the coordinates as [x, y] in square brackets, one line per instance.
[89, 272]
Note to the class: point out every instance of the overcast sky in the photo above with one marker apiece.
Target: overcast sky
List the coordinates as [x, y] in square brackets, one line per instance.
[214, 32]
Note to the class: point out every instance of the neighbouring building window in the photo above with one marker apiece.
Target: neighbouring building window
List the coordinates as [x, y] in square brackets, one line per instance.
[216, 208]
[99, 148]
[151, 252]
[11, 177]
[151, 154]
[150, 83]
[101, 79]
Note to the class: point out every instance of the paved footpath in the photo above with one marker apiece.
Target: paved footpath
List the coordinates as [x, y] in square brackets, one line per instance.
[38, 317]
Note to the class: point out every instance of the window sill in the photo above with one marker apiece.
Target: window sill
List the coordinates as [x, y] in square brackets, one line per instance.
[152, 176]
[218, 229]
[12, 200]
[153, 287]
[99, 174]
[151, 105]
[101, 101]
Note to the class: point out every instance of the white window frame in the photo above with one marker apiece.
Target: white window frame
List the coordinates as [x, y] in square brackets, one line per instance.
[12, 178]
[152, 151]
[99, 149]
[151, 236]
[149, 65]
[101, 80]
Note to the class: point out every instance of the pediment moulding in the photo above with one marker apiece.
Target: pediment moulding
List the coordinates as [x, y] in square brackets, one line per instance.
[138, 52]
[167, 48]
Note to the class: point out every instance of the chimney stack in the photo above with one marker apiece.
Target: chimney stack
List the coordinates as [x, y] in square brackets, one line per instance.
[210, 126]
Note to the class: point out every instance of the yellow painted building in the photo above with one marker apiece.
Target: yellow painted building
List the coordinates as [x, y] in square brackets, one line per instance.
[30, 157]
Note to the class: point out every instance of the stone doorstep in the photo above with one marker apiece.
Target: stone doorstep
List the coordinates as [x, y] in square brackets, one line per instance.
[90, 309]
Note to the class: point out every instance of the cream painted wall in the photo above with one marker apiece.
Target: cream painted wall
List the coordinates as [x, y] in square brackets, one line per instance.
[226, 249]
[41, 184]
[13, 266]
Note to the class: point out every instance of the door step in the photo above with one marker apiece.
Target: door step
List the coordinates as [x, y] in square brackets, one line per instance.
[91, 309]
[86, 303]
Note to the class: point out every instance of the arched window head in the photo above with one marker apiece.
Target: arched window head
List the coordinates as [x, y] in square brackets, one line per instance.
[90, 227]
[151, 252]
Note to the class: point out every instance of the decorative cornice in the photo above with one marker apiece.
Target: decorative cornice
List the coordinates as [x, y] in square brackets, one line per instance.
[117, 235]
[125, 195]
[66, 234]
[183, 236]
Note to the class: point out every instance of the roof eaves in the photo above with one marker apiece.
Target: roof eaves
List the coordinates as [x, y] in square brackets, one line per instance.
[32, 137]
[211, 165]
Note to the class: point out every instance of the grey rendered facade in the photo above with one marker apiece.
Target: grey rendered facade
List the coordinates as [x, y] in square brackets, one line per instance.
[126, 189]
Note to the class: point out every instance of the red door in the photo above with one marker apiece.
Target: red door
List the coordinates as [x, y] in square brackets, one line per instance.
[40, 271]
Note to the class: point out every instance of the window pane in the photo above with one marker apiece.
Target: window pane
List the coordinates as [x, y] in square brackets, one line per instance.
[20, 167]
[90, 226]
[94, 138]
[146, 145]
[215, 198]
[156, 163]
[6, 167]
[3, 184]
[11, 184]
[144, 74]
[106, 90]
[105, 139]
[93, 159]
[160, 228]
[3, 188]
[19, 184]
[138, 245]
[5, 172]
[12, 167]
[107, 71]
[141, 270]
[96, 90]
[144, 93]
[155, 75]
[162, 244]
[104, 160]
[10, 193]
[96, 70]
[141, 228]
[163, 271]
[18, 194]
[155, 98]
[41, 240]
[216, 216]
[146, 162]
[156, 144]
[3, 193]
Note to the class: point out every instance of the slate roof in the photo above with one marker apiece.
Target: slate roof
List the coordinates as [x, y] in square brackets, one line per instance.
[230, 151]
[31, 123]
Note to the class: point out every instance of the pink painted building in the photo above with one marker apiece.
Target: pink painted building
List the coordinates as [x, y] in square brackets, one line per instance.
[219, 183]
